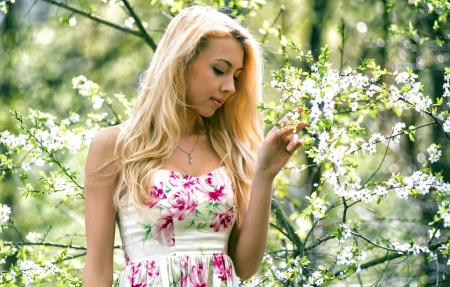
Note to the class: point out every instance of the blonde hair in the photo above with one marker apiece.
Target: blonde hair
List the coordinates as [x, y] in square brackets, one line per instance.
[156, 124]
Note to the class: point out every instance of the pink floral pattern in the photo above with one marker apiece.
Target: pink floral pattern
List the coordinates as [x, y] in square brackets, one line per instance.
[217, 194]
[156, 194]
[220, 268]
[152, 272]
[183, 204]
[198, 276]
[134, 278]
[164, 230]
[183, 238]
[224, 220]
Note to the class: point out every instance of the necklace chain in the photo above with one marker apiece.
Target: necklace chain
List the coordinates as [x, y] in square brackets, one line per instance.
[190, 153]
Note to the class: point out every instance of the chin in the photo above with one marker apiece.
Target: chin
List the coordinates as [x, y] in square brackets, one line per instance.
[207, 114]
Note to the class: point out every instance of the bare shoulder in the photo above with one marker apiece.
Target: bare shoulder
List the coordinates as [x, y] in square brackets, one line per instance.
[101, 149]
[106, 139]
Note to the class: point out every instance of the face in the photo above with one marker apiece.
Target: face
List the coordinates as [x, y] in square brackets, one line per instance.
[213, 76]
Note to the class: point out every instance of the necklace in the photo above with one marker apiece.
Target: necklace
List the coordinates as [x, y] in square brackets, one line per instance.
[190, 153]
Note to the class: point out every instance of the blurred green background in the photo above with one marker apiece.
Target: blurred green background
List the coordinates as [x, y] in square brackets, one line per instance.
[41, 51]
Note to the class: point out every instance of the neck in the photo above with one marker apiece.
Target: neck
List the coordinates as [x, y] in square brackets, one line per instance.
[191, 127]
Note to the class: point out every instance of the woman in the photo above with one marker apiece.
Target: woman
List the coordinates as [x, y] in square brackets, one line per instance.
[188, 175]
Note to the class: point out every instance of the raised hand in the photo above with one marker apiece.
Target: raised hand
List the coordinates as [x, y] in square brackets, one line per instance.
[279, 145]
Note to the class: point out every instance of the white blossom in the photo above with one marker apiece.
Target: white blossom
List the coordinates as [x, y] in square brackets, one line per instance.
[405, 78]
[397, 129]
[33, 237]
[345, 256]
[380, 191]
[72, 21]
[51, 267]
[318, 207]
[97, 102]
[26, 166]
[446, 86]
[446, 125]
[434, 153]
[39, 162]
[129, 22]
[347, 232]
[5, 212]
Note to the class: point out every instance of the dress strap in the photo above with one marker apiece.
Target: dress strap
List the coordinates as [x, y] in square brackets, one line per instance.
[120, 128]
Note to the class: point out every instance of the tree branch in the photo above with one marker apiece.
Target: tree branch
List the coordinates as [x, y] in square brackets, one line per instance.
[97, 19]
[389, 256]
[290, 231]
[381, 163]
[149, 40]
[319, 241]
[44, 148]
[373, 243]
[51, 244]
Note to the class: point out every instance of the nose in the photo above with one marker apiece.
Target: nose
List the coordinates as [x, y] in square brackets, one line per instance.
[229, 86]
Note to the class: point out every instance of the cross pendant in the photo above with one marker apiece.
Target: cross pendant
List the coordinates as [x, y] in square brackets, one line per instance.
[190, 158]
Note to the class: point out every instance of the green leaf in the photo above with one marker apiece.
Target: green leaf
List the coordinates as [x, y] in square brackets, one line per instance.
[328, 123]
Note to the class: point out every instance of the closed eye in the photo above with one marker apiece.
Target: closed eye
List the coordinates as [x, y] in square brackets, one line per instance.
[218, 72]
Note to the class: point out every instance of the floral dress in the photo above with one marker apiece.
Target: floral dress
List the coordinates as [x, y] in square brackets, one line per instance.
[182, 239]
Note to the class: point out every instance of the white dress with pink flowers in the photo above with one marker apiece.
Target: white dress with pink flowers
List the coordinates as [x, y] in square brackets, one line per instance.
[182, 239]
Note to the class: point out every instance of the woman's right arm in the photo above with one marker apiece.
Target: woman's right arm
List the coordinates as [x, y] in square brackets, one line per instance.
[100, 213]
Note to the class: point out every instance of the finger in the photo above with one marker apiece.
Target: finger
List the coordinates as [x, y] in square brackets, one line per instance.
[292, 129]
[301, 126]
[283, 119]
[282, 122]
[286, 131]
[292, 143]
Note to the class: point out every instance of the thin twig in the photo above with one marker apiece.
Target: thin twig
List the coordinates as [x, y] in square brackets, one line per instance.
[319, 241]
[97, 19]
[147, 38]
[44, 149]
[373, 243]
[381, 163]
[280, 230]
[49, 244]
[375, 284]
[52, 244]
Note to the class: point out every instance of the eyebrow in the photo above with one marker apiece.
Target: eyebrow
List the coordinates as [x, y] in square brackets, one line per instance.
[228, 63]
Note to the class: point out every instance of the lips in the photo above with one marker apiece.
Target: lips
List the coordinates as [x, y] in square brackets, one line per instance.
[217, 102]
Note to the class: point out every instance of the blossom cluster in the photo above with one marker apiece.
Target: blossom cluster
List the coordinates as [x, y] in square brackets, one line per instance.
[348, 255]
[89, 89]
[413, 248]
[340, 107]
[5, 212]
[44, 139]
[32, 271]
[317, 207]
[420, 181]
[36, 153]
[410, 94]
[33, 237]
[434, 153]
[4, 5]
[397, 130]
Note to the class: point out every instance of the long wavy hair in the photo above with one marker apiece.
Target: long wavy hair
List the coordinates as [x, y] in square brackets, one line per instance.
[157, 121]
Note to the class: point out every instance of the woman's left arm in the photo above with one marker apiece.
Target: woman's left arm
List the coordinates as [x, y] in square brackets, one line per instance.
[247, 244]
